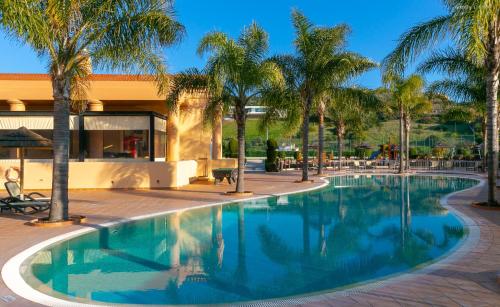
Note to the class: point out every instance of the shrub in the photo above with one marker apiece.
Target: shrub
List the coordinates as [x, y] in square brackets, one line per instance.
[231, 149]
[361, 152]
[297, 155]
[413, 153]
[271, 164]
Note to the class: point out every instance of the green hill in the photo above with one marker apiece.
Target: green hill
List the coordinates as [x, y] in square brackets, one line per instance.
[422, 135]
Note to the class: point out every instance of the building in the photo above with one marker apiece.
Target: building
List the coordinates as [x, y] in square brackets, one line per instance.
[125, 137]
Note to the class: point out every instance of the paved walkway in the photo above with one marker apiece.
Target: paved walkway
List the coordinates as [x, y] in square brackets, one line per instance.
[469, 280]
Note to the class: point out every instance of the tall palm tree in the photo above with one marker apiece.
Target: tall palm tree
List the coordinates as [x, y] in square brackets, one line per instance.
[349, 109]
[465, 82]
[114, 34]
[352, 66]
[405, 96]
[318, 59]
[237, 73]
[475, 26]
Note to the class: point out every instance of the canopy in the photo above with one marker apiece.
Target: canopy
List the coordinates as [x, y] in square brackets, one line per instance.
[23, 138]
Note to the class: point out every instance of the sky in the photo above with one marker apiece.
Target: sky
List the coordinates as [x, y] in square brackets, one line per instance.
[376, 26]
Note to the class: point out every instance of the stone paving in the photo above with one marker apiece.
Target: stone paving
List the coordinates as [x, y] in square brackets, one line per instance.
[469, 279]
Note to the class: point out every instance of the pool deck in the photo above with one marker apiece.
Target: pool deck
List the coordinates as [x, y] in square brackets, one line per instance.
[467, 278]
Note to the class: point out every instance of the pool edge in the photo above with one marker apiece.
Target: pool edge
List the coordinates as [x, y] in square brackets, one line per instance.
[13, 279]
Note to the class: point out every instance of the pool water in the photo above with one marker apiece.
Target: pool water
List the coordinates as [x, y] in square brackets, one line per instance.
[356, 229]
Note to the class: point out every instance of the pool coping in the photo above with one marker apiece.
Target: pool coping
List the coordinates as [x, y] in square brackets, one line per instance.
[15, 282]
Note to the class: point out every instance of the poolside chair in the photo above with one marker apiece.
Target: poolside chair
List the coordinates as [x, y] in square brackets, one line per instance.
[15, 192]
[356, 166]
[26, 204]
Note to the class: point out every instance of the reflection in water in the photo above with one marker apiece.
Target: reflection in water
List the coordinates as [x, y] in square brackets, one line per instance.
[354, 230]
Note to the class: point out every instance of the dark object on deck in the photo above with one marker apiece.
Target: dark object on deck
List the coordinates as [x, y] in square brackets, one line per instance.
[231, 174]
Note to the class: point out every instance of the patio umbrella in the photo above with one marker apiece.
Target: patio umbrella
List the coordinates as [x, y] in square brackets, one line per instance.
[23, 138]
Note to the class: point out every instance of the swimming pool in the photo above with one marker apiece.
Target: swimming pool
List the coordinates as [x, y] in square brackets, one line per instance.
[356, 229]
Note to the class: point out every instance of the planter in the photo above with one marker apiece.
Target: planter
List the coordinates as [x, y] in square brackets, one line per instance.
[484, 206]
[238, 194]
[43, 222]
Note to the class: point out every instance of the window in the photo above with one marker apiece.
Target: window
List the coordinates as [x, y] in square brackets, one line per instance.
[117, 137]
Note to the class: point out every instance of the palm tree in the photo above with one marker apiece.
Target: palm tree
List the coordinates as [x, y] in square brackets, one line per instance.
[352, 66]
[474, 25]
[349, 109]
[465, 83]
[237, 73]
[114, 34]
[416, 106]
[406, 97]
[318, 61]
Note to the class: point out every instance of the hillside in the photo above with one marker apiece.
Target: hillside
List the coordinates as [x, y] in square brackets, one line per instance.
[422, 135]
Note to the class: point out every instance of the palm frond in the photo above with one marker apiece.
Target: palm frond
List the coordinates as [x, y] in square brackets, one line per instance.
[415, 41]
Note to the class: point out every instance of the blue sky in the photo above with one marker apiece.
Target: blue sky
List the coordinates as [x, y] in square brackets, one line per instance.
[376, 26]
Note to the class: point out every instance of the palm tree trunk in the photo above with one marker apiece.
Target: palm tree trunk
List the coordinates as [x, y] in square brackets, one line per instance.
[493, 68]
[321, 132]
[305, 137]
[401, 142]
[484, 131]
[340, 142]
[241, 121]
[407, 140]
[61, 87]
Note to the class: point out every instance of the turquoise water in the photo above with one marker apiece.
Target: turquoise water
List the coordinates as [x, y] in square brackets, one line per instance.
[354, 230]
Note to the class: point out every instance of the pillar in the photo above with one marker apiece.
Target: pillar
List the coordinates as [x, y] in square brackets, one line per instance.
[173, 136]
[95, 146]
[15, 105]
[217, 137]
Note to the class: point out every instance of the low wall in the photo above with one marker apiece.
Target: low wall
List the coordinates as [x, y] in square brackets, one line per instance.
[109, 175]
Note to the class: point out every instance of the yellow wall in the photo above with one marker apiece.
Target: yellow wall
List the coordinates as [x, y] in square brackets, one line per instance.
[109, 175]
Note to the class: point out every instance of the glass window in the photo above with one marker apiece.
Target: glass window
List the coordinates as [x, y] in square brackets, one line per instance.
[117, 144]
[117, 137]
[160, 138]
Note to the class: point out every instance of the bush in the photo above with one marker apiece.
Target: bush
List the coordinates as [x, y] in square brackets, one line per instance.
[348, 153]
[361, 152]
[297, 155]
[413, 153]
[271, 164]
[231, 148]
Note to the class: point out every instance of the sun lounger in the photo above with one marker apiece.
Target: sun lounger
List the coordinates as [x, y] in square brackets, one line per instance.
[15, 191]
[26, 204]
[24, 207]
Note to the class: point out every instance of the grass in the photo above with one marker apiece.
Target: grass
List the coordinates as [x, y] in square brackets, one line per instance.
[422, 134]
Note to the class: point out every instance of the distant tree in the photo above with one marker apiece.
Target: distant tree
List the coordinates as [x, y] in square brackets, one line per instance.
[318, 61]
[350, 109]
[465, 83]
[406, 98]
[474, 25]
